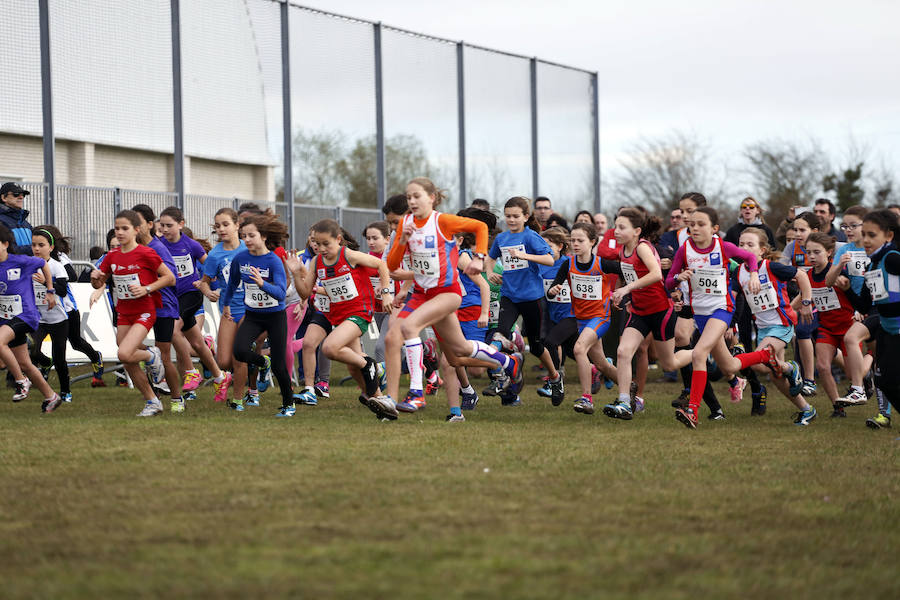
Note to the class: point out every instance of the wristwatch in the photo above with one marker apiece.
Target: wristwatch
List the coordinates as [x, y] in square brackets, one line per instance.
[147, 289]
[386, 291]
[478, 255]
[806, 302]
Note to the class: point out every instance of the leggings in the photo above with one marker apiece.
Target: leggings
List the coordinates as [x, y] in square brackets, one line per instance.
[563, 334]
[252, 326]
[79, 344]
[382, 321]
[293, 344]
[531, 321]
[58, 335]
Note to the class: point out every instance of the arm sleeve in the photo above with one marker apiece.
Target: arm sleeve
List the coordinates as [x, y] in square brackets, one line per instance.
[60, 278]
[450, 224]
[276, 288]
[70, 272]
[783, 272]
[892, 263]
[395, 256]
[562, 274]
[612, 267]
[732, 251]
[862, 302]
[677, 267]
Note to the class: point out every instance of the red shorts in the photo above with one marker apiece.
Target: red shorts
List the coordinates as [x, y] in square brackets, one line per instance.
[144, 319]
[469, 313]
[420, 297]
[836, 339]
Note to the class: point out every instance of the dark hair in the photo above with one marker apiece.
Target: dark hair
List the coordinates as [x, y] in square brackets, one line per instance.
[559, 237]
[811, 219]
[174, 213]
[695, 197]
[584, 212]
[396, 205]
[250, 207]
[763, 241]
[473, 212]
[146, 212]
[381, 226]
[542, 199]
[826, 240]
[53, 235]
[830, 204]
[893, 206]
[479, 202]
[856, 211]
[430, 189]
[329, 226]
[557, 220]
[109, 238]
[268, 226]
[710, 212]
[131, 216]
[95, 252]
[232, 214]
[523, 203]
[588, 229]
[638, 217]
[885, 220]
[6, 235]
[349, 240]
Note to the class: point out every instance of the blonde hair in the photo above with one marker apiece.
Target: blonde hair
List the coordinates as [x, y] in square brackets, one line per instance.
[430, 189]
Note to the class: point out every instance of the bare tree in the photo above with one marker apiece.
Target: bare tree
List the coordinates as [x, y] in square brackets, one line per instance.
[884, 187]
[785, 173]
[317, 156]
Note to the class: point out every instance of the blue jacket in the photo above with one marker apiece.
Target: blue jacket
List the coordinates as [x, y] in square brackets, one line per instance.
[16, 219]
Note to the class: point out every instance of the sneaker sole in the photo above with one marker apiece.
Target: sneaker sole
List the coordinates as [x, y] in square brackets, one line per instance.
[842, 403]
[682, 418]
[612, 413]
[382, 411]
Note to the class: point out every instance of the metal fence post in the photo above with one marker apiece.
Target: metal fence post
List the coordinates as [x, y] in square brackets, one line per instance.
[117, 200]
[461, 122]
[338, 214]
[178, 150]
[534, 130]
[235, 203]
[47, 113]
[595, 138]
[288, 188]
[380, 184]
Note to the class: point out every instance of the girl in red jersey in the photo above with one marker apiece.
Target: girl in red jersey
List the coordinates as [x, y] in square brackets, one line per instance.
[138, 274]
[342, 273]
[835, 312]
[590, 304]
[652, 312]
[426, 236]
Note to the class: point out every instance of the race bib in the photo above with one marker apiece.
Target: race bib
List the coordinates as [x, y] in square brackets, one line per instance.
[494, 312]
[40, 294]
[184, 266]
[563, 296]
[510, 263]
[858, 263]
[825, 299]
[322, 303]
[254, 297]
[586, 287]
[376, 284]
[766, 299]
[875, 283]
[629, 274]
[425, 263]
[340, 288]
[10, 306]
[709, 281]
[121, 283]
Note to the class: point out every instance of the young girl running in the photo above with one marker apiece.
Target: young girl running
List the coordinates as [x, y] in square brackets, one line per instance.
[138, 274]
[185, 252]
[262, 275]
[702, 262]
[560, 339]
[343, 275]
[522, 250]
[426, 236]
[377, 235]
[652, 313]
[217, 269]
[835, 312]
[586, 274]
[774, 316]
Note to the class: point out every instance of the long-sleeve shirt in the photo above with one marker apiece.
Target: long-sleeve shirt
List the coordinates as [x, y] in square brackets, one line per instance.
[448, 225]
[274, 281]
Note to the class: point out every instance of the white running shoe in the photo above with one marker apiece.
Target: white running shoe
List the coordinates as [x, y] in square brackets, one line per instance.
[152, 408]
[853, 398]
[155, 369]
[383, 405]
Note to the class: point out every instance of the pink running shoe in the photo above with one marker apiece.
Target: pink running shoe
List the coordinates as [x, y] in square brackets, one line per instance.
[192, 381]
[222, 388]
[210, 343]
[737, 390]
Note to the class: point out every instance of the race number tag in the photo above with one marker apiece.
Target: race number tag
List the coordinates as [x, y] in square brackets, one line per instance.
[587, 287]
[766, 299]
[858, 263]
[40, 294]
[825, 299]
[563, 296]
[323, 303]
[340, 288]
[510, 263]
[709, 281]
[875, 283]
[254, 297]
[184, 266]
[121, 283]
[425, 263]
[629, 274]
[10, 306]
[494, 312]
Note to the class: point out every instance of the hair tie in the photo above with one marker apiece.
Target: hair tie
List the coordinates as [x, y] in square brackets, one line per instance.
[50, 235]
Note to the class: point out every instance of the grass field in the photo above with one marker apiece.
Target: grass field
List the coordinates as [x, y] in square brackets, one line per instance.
[524, 502]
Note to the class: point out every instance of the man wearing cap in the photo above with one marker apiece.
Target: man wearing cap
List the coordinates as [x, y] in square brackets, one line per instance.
[15, 217]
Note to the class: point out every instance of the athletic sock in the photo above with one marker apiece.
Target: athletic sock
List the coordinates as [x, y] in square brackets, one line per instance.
[625, 398]
[748, 359]
[734, 381]
[413, 348]
[698, 383]
[489, 353]
[685, 370]
[433, 377]
[220, 378]
[455, 410]
[857, 388]
[468, 389]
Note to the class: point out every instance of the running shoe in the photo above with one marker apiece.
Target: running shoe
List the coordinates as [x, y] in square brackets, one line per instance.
[687, 417]
[322, 390]
[869, 384]
[383, 407]
[632, 396]
[852, 398]
[431, 387]
[251, 399]
[838, 413]
[638, 405]
[156, 371]
[264, 379]
[50, 404]
[509, 398]
[285, 412]
[683, 399]
[759, 401]
[795, 379]
[544, 391]
[737, 348]
[805, 417]
[879, 421]
[192, 380]
[618, 410]
[716, 415]
[809, 388]
[469, 401]
[413, 402]
[189, 396]
[98, 382]
[67, 397]
[45, 371]
[177, 406]
[596, 379]
[772, 360]
[737, 390]
[210, 343]
[607, 381]
[505, 344]
[584, 405]
[497, 384]
[382, 378]
[162, 388]
[152, 408]
[307, 397]
[22, 389]
[222, 388]
[557, 391]
[236, 406]
[514, 370]
[451, 418]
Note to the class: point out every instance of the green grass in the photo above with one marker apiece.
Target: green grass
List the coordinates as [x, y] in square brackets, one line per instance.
[524, 502]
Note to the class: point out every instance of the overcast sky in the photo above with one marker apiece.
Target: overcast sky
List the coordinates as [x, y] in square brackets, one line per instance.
[733, 72]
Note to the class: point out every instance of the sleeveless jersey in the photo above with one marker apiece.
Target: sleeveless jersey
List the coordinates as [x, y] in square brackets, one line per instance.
[432, 257]
[771, 306]
[709, 285]
[348, 289]
[835, 311]
[885, 289]
[590, 294]
[647, 300]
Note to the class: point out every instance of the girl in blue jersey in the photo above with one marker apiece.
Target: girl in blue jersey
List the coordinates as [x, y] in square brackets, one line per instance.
[262, 274]
[521, 250]
[563, 332]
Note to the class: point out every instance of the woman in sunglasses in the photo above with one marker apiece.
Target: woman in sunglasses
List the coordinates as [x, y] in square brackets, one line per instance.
[751, 215]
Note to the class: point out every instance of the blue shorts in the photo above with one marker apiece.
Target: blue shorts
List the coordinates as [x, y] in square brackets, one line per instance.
[806, 331]
[472, 332]
[721, 314]
[598, 324]
[785, 333]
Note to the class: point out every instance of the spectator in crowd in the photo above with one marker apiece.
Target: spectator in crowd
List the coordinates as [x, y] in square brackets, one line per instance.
[542, 211]
[751, 215]
[557, 220]
[482, 204]
[824, 209]
[600, 224]
[15, 217]
[895, 208]
[676, 220]
[584, 216]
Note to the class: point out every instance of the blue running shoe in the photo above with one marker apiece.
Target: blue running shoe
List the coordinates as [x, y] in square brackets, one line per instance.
[189, 396]
[469, 401]
[307, 397]
[67, 397]
[544, 391]
[251, 399]
[237, 407]
[286, 411]
[796, 379]
[805, 418]
[413, 402]
[606, 381]
[263, 380]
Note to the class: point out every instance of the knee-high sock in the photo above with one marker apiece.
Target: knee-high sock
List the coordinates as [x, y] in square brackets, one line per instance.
[698, 383]
[748, 359]
[489, 353]
[413, 348]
